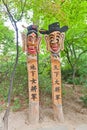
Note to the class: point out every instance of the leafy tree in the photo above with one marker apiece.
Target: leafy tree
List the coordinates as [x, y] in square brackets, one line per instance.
[71, 13]
[44, 12]
[14, 18]
[76, 36]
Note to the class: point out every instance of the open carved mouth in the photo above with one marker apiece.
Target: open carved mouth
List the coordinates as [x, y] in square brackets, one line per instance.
[54, 47]
[31, 50]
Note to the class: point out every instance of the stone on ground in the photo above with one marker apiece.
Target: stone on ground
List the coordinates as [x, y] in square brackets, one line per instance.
[82, 127]
[60, 127]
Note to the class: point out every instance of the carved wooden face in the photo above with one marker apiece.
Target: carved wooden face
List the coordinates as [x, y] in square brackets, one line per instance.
[55, 41]
[32, 44]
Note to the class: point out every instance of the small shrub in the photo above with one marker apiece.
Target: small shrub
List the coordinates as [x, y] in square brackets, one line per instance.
[16, 106]
[84, 100]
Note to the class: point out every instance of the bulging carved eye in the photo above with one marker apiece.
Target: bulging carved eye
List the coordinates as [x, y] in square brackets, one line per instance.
[27, 45]
[29, 38]
[57, 39]
[51, 41]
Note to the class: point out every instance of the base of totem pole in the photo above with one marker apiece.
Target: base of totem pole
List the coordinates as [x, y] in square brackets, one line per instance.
[33, 112]
[58, 112]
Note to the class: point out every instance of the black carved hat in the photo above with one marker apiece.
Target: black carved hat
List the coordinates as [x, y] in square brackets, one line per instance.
[31, 29]
[54, 27]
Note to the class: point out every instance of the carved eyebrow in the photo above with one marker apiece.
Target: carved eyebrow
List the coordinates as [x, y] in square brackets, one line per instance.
[51, 38]
[51, 35]
[29, 36]
[58, 36]
[58, 33]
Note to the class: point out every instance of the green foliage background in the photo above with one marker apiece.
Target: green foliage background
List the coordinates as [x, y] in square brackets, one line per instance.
[72, 13]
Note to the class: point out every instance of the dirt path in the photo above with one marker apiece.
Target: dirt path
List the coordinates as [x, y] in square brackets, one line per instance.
[75, 114]
[19, 120]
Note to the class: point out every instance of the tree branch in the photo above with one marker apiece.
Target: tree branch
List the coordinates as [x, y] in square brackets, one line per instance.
[22, 10]
[14, 23]
[9, 14]
[68, 57]
[81, 54]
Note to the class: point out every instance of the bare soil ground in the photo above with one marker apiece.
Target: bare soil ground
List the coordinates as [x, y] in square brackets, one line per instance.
[75, 113]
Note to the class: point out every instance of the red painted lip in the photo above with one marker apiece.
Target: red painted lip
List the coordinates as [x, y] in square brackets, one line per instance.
[31, 50]
[54, 47]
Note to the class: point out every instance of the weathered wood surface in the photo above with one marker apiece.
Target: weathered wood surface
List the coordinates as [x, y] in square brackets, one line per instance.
[24, 42]
[56, 89]
[33, 89]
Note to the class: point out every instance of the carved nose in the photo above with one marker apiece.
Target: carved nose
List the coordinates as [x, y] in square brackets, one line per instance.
[56, 40]
[32, 41]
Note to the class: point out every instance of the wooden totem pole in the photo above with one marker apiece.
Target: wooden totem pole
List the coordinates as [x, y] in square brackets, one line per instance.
[55, 42]
[31, 44]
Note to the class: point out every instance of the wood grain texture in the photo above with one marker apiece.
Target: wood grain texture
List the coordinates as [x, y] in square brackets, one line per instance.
[32, 68]
[56, 88]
